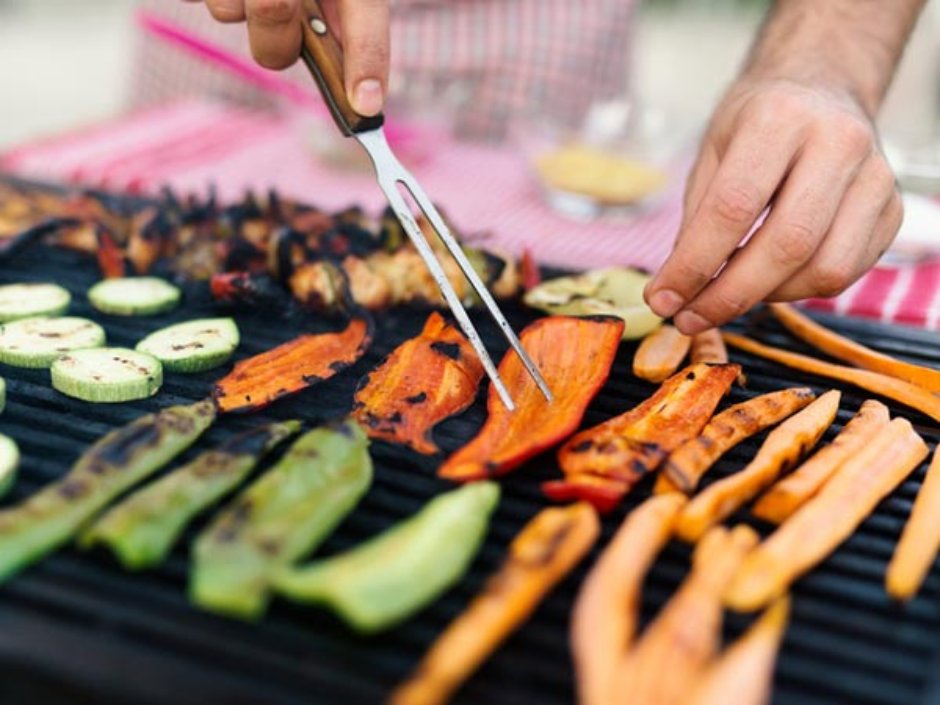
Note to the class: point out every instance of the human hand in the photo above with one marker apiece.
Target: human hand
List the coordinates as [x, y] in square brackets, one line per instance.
[810, 153]
[361, 26]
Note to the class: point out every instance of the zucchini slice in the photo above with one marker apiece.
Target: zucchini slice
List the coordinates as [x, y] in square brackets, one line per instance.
[29, 300]
[107, 374]
[192, 346]
[134, 296]
[9, 462]
[37, 342]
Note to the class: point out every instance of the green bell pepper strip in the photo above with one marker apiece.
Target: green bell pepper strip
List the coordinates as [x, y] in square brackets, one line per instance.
[282, 516]
[116, 462]
[142, 529]
[393, 575]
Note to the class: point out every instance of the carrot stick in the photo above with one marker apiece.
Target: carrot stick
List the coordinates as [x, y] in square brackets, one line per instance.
[543, 553]
[785, 497]
[782, 449]
[708, 346]
[919, 543]
[818, 527]
[660, 354]
[746, 668]
[605, 613]
[841, 348]
[686, 465]
[686, 635]
[890, 387]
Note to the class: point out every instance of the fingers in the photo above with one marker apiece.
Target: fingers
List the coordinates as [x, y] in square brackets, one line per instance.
[274, 31]
[364, 28]
[794, 230]
[751, 170]
[866, 224]
[227, 10]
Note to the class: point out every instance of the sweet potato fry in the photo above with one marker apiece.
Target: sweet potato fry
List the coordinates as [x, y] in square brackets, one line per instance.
[709, 347]
[686, 465]
[856, 354]
[543, 553]
[604, 618]
[686, 635]
[602, 463]
[819, 526]
[660, 353]
[288, 368]
[574, 356]
[424, 380]
[782, 449]
[788, 494]
[900, 391]
[917, 549]
[746, 668]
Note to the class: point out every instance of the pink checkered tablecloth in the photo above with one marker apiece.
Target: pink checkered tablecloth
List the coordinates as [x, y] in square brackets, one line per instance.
[192, 145]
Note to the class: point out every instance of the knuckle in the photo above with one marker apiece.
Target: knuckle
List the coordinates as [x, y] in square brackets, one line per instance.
[273, 11]
[883, 177]
[852, 134]
[735, 205]
[833, 277]
[723, 306]
[794, 245]
[371, 55]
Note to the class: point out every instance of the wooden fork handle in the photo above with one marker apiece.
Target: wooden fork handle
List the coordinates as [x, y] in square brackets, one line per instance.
[324, 57]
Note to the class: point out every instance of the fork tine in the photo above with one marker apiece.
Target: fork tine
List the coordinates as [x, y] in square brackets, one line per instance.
[443, 232]
[403, 212]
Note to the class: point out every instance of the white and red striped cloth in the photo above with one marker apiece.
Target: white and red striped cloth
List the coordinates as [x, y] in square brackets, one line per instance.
[191, 145]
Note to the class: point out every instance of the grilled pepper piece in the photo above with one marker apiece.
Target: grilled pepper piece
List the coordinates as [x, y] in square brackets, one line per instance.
[540, 556]
[603, 463]
[393, 575]
[574, 356]
[782, 450]
[425, 380]
[686, 465]
[142, 529]
[115, 463]
[288, 368]
[283, 515]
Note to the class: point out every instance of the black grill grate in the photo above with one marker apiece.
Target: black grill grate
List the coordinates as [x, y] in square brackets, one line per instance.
[77, 629]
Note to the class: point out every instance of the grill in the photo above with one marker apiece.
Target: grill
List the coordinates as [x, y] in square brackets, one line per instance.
[76, 628]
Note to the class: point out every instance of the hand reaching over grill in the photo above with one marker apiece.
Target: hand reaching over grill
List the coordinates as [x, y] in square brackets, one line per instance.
[360, 25]
[794, 134]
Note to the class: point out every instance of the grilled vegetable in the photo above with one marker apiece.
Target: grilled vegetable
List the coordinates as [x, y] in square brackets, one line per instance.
[193, 346]
[708, 346]
[540, 556]
[393, 575]
[3, 394]
[31, 300]
[605, 613]
[616, 291]
[660, 354]
[134, 296]
[574, 356]
[142, 529]
[917, 549]
[904, 392]
[686, 465]
[856, 354]
[818, 527]
[279, 518]
[790, 493]
[121, 459]
[424, 380]
[603, 463]
[37, 342]
[9, 463]
[686, 634]
[746, 668]
[782, 449]
[288, 368]
[107, 375]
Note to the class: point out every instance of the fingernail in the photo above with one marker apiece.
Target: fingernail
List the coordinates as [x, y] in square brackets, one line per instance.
[690, 323]
[665, 303]
[367, 98]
